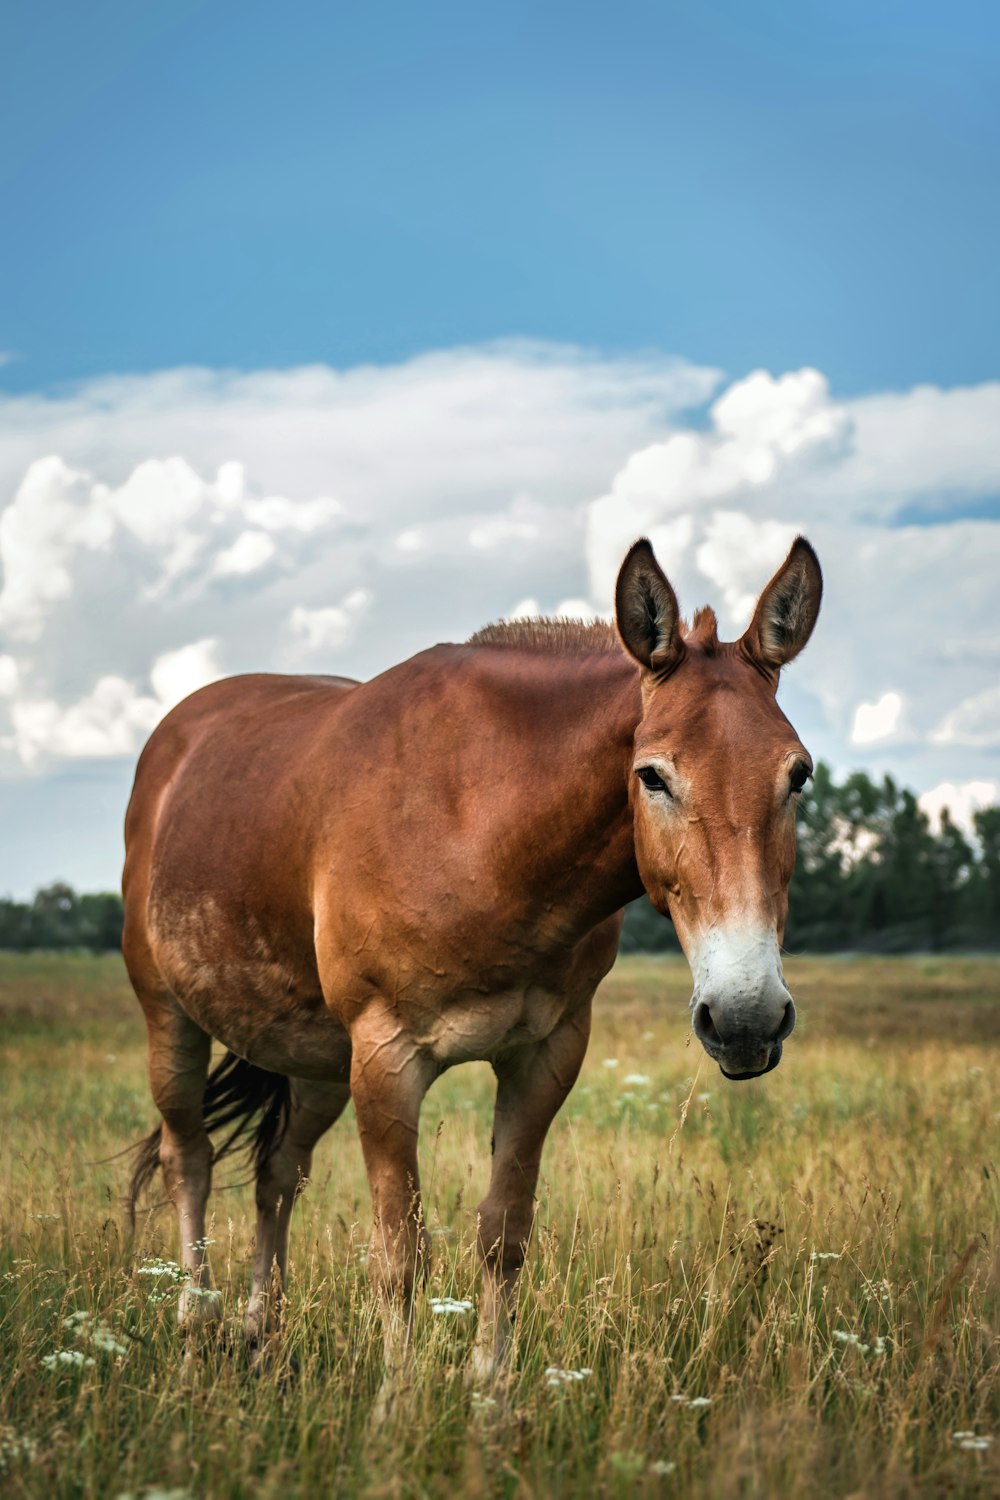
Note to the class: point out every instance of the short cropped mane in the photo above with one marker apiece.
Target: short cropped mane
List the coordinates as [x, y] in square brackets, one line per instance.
[703, 631]
[561, 637]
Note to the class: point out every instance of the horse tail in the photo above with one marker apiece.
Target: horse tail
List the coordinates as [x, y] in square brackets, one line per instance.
[254, 1102]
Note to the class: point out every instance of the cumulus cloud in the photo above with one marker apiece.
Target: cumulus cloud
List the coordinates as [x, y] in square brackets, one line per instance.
[107, 720]
[975, 721]
[962, 801]
[330, 628]
[876, 721]
[156, 531]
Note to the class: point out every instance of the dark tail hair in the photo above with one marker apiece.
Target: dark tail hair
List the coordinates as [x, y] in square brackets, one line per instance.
[254, 1102]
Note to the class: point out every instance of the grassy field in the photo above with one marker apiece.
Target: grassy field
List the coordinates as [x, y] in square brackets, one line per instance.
[779, 1288]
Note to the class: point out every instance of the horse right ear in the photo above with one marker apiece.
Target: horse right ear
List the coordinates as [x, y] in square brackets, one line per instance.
[646, 611]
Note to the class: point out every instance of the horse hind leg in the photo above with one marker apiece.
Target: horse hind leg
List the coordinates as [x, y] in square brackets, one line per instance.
[178, 1060]
[313, 1108]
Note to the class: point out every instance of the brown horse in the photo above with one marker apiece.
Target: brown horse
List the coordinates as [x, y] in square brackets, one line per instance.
[353, 887]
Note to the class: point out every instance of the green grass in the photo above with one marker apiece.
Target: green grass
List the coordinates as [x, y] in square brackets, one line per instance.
[678, 1221]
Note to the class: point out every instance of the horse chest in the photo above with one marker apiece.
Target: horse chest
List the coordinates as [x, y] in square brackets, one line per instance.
[480, 1027]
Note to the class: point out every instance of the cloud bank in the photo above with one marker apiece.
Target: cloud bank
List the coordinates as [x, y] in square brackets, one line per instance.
[157, 531]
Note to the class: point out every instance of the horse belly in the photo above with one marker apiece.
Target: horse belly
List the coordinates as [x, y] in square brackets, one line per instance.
[260, 1006]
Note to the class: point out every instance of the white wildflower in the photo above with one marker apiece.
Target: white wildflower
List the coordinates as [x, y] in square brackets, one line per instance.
[825, 1255]
[557, 1378]
[450, 1305]
[662, 1466]
[154, 1266]
[700, 1401]
[703, 1098]
[972, 1442]
[103, 1339]
[72, 1359]
[16, 1448]
[611, 1062]
[637, 1080]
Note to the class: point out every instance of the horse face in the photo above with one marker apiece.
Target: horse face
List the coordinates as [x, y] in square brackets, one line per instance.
[716, 773]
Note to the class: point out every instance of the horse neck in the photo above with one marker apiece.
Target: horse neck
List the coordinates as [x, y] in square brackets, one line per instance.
[568, 724]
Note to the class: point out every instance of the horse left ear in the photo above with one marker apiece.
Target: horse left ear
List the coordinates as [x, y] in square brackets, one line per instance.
[787, 609]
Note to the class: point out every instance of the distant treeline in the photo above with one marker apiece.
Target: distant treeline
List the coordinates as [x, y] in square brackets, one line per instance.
[58, 918]
[871, 875]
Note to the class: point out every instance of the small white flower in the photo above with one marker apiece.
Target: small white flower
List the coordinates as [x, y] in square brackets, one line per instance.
[703, 1098]
[611, 1062]
[450, 1305]
[637, 1080]
[975, 1444]
[825, 1255]
[72, 1359]
[557, 1378]
[662, 1466]
[103, 1339]
[680, 1399]
[207, 1293]
[700, 1401]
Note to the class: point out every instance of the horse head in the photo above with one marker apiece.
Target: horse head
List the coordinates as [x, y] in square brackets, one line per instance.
[716, 774]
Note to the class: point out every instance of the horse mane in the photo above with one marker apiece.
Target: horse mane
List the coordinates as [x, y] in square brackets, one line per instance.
[586, 637]
[561, 637]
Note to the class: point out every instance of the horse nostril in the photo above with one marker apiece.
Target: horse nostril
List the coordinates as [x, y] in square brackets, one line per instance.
[704, 1026]
[787, 1023]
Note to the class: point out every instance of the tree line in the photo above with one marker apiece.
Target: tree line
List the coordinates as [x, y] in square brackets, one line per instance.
[872, 875]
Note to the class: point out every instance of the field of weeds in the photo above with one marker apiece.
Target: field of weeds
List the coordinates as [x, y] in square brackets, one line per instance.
[779, 1288]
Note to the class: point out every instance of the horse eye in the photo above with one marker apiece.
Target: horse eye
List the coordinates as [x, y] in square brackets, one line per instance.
[652, 780]
[800, 776]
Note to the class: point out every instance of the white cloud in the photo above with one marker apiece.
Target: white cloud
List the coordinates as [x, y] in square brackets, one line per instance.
[108, 721]
[330, 628]
[961, 800]
[250, 551]
[876, 721]
[175, 674]
[975, 721]
[114, 717]
[197, 521]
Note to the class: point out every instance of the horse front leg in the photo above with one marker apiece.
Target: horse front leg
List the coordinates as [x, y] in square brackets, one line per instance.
[532, 1083]
[390, 1075]
[314, 1107]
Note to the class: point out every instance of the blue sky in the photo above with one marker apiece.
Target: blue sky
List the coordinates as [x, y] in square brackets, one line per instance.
[245, 184]
[328, 332]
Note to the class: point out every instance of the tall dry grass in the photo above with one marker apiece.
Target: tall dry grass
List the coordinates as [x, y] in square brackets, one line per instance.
[782, 1288]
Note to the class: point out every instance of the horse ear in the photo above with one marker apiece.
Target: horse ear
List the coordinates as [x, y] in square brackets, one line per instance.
[787, 609]
[646, 611]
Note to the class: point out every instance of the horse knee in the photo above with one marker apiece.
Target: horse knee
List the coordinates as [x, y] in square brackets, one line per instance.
[396, 1263]
[186, 1157]
[503, 1236]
